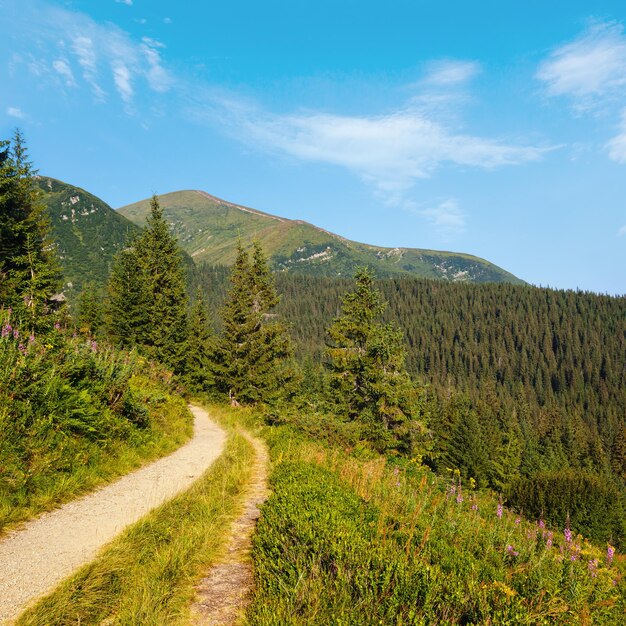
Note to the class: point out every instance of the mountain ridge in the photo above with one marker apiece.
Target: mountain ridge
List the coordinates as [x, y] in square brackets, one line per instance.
[209, 228]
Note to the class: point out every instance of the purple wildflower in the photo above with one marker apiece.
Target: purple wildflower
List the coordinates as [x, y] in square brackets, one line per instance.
[499, 510]
[22, 348]
[94, 346]
[459, 497]
[592, 567]
[549, 539]
[511, 551]
[6, 329]
[517, 521]
[31, 339]
[57, 326]
[474, 506]
[16, 334]
[610, 553]
[541, 523]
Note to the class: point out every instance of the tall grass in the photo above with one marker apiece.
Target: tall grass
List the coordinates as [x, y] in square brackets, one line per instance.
[74, 414]
[146, 577]
[350, 541]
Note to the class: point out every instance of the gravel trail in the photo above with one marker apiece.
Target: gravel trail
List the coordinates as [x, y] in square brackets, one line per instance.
[34, 559]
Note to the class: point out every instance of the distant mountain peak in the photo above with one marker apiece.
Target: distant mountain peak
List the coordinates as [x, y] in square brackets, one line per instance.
[209, 228]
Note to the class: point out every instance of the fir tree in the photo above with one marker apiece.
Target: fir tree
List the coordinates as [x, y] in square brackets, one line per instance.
[200, 350]
[90, 317]
[366, 359]
[254, 355]
[147, 296]
[127, 304]
[29, 270]
[166, 305]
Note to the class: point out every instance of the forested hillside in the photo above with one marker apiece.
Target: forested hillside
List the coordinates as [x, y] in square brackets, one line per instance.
[524, 386]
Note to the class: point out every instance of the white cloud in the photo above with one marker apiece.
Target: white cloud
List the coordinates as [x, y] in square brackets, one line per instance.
[589, 69]
[622, 231]
[128, 3]
[108, 58]
[446, 217]
[122, 79]
[617, 145]
[390, 151]
[447, 73]
[16, 112]
[65, 71]
[167, 20]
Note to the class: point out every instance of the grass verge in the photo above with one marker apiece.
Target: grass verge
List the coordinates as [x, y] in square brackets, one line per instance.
[87, 464]
[345, 540]
[146, 576]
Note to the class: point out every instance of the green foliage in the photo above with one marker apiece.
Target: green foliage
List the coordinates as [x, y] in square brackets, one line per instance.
[87, 232]
[366, 358]
[90, 317]
[73, 412]
[147, 294]
[254, 352]
[200, 350]
[345, 541]
[592, 504]
[29, 273]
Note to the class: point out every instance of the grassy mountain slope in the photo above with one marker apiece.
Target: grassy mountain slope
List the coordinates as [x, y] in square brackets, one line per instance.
[88, 233]
[208, 229]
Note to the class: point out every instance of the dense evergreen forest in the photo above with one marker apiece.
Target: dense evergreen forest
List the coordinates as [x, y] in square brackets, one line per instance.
[524, 388]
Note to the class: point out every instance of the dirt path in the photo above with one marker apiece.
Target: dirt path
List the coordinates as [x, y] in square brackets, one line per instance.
[36, 558]
[223, 595]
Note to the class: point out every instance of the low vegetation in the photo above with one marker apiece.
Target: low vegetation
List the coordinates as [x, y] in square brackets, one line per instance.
[351, 540]
[74, 414]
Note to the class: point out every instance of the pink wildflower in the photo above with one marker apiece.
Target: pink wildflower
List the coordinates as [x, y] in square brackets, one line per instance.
[592, 566]
[16, 334]
[499, 510]
[474, 506]
[517, 521]
[94, 346]
[610, 553]
[549, 539]
[22, 348]
[511, 551]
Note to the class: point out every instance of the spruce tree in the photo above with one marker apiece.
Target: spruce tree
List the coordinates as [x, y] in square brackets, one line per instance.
[165, 288]
[147, 296]
[366, 358]
[127, 304]
[29, 270]
[200, 349]
[90, 317]
[254, 355]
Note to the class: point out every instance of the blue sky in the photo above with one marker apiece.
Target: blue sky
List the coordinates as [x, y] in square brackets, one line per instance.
[496, 128]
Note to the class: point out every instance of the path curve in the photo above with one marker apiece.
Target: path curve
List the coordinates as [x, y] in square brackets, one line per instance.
[38, 557]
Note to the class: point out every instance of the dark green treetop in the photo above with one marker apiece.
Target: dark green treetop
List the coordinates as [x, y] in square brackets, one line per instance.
[29, 270]
[254, 354]
[366, 358]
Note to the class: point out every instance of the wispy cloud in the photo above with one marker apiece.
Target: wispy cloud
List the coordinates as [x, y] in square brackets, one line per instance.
[622, 231]
[16, 112]
[617, 145]
[62, 67]
[106, 58]
[390, 151]
[126, 2]
[447, 73]
[446, 217]
[589, 69]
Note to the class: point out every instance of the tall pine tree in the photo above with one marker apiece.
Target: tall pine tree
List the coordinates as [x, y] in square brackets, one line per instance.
[29, 270]
[147, 296]
[366, 358]
[254, 355]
